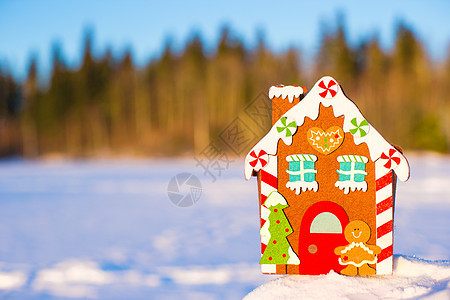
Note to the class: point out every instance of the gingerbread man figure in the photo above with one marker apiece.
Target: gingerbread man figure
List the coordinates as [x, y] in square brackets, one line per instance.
[357, 255]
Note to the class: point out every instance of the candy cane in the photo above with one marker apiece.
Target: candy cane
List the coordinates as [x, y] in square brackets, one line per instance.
[269, 183]
[384, 218]
[290, 127]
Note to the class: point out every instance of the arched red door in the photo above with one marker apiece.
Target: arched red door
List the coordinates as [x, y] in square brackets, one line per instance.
[321, 231]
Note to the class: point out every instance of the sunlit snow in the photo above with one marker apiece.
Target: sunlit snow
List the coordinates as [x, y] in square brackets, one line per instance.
[107, 230]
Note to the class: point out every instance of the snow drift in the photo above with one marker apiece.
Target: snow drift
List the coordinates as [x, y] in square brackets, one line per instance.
[412, 278]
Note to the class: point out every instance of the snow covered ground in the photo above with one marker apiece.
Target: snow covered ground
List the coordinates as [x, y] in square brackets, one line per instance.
[412, 279]
[108, 230]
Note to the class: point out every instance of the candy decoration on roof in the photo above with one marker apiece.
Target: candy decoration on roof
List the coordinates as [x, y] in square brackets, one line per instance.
[360, 127]
[261, 158]
[290, 127]
[390, 160]
[328, 91]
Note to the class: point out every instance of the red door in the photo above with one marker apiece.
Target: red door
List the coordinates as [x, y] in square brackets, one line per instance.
[321, 231]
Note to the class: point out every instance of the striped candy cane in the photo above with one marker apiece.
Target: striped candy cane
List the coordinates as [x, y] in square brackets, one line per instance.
[269, 183]
[384, 219]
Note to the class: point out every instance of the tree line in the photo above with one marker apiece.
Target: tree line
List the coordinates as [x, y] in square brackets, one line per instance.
[180, 101]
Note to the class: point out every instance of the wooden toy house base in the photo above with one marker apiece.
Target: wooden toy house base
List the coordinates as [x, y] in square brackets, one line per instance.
[321, 169]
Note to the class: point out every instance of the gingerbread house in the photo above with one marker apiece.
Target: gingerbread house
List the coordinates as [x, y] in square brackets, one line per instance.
[326, 182]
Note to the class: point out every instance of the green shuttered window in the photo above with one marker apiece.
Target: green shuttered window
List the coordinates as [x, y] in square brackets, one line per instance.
[352, 173]
[302, 172]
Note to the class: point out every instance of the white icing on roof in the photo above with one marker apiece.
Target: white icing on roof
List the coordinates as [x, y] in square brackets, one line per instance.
[327, 92]
[290, 91]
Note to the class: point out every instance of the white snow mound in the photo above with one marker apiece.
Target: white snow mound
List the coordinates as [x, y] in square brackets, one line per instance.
[412, 278]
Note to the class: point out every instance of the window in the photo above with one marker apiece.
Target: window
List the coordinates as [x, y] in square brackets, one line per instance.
[326, 222]
[352, 173]
[302, 175]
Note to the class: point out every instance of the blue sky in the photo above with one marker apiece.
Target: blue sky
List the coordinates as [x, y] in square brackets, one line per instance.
[32, 27]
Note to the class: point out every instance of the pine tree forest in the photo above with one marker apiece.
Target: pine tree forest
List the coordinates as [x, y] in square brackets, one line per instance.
[181, 101]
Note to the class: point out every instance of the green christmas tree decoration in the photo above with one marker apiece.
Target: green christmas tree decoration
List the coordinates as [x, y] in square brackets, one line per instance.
[277, 228]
